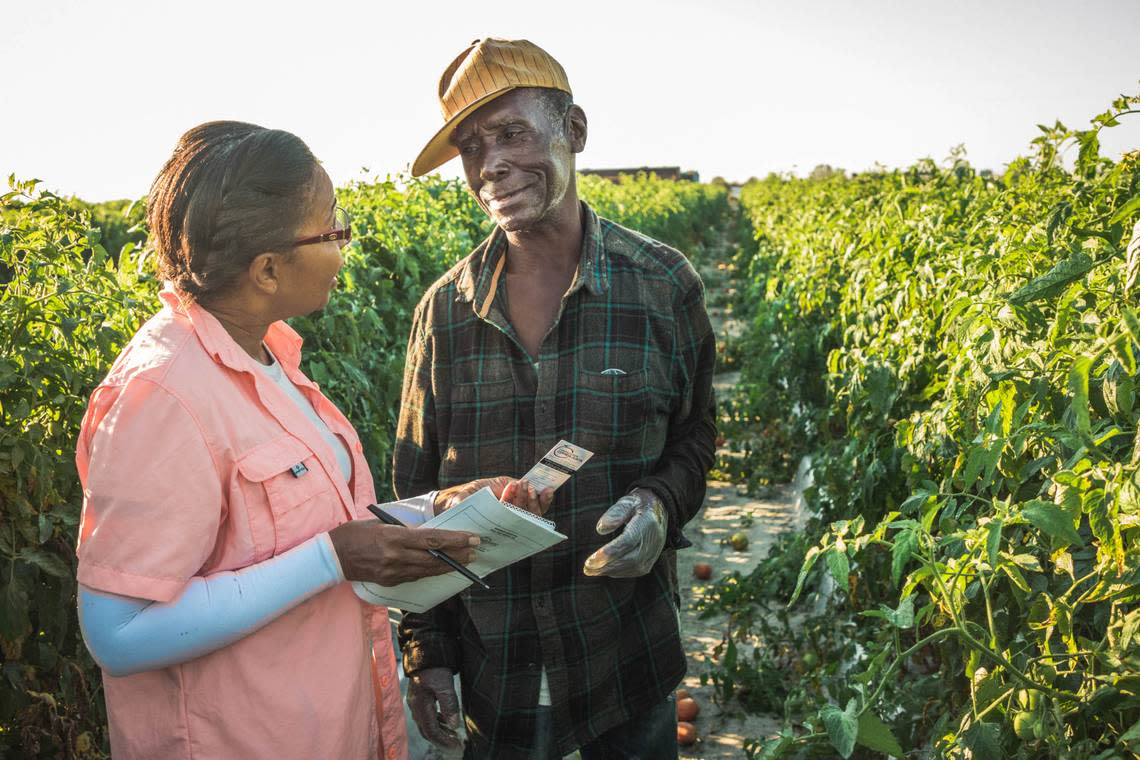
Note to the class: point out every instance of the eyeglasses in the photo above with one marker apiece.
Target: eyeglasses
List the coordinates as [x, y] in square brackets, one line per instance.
[342, 234]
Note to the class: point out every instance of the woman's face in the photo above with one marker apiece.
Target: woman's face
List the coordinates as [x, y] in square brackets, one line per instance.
[307, 277]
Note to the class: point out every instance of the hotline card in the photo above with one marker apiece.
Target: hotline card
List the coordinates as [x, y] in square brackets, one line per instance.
[557, 465]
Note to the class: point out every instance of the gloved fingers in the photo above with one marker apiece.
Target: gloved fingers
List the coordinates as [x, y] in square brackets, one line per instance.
[421, 704]
[616, 551]
[619, 514]
[449, 708]
[437, 727]
[633, 552]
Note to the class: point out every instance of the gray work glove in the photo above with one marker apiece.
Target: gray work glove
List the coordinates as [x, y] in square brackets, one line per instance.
[636, 549]
[426, 689]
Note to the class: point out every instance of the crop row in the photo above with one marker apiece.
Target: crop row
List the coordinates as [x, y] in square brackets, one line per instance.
[957, 351]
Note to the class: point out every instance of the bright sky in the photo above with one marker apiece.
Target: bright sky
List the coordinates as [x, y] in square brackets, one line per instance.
[96, 92]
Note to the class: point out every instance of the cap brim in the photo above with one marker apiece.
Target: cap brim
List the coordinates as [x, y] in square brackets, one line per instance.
[439, 149]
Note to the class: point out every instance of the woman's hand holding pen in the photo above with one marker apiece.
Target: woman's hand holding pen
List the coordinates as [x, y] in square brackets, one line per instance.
[371, 551]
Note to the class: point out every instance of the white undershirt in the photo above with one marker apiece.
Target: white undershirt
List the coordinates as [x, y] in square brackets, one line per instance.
[277, 375]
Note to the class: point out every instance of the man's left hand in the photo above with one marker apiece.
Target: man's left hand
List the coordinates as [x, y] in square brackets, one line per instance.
[637, 547]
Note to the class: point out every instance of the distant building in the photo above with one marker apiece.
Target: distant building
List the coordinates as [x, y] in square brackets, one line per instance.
[663, 172]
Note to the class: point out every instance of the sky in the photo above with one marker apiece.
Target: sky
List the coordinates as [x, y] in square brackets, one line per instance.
[96, 93]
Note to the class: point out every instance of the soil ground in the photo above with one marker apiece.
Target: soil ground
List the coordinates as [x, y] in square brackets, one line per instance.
[722, 730]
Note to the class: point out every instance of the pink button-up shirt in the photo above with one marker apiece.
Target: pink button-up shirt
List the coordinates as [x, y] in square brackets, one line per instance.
[186, 455]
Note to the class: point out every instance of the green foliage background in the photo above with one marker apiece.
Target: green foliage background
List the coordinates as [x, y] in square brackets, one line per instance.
[76, 285]
[958, 353]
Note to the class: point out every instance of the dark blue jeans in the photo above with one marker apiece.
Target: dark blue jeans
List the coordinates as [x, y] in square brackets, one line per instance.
[651, 736]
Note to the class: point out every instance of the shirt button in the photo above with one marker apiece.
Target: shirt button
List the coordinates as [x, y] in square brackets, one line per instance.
[385, 681]
[391, 752]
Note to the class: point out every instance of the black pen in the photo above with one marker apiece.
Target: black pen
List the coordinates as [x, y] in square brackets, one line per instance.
[387, 518]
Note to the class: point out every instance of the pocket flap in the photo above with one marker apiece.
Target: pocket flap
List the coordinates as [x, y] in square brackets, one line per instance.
[631, 382]
[273, 458]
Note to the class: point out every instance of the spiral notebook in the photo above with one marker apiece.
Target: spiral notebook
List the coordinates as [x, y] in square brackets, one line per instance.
[508, 535]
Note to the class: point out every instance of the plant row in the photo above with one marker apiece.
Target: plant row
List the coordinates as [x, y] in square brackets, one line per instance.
[958, 353]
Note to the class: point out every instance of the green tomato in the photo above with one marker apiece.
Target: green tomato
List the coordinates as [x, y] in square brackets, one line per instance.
[1027, 726]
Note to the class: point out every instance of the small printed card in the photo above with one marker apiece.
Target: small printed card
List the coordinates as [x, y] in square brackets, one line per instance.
[557, 465]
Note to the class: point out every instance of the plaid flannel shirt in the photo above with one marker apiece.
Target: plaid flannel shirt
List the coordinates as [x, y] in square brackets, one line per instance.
[475, 406]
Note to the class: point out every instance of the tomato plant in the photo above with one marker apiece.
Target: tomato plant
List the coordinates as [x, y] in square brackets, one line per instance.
[958, 350]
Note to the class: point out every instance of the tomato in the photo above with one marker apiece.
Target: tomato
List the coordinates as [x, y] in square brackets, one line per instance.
[686, 733]
[687, 709]
[1026, 725]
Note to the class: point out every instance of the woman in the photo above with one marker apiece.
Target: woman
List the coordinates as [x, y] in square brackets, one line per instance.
[224, 496]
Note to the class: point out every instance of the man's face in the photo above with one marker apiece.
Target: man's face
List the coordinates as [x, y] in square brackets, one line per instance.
[518, 162]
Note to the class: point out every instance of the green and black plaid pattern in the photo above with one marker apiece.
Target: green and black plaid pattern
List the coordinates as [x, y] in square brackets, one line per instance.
[474, 405]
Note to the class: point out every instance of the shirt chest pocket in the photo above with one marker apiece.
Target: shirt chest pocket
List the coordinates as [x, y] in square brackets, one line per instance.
[482, 415]
[616, 414]
[287, 494]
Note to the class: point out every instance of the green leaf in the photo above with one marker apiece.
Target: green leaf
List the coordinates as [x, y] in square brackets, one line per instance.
[840, 567]
[993, 541]
[1126, 210]
[1051, 520]
[1053, 282]
[1132, 259]
[1132, 735]
[14, 623]
[974, 464]
[49, 563]
[842, 729]
[903, 617]
[905, 543]
[1079, 386]
[1027, 562]
[1089, 141]
[45, 528]
[1128, 316]
[1015, 576]
[809, 560]
[875, 734]
[773, 749]
[983, 741]
[1104, 520]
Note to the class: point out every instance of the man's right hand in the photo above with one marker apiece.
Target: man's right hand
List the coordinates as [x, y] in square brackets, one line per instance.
[518, 492]
[428, 688]
[371, 551]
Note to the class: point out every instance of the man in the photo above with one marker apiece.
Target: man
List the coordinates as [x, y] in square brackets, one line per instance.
[560, 325]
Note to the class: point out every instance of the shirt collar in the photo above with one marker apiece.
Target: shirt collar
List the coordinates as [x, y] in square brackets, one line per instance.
[282, 339]
[478, 279]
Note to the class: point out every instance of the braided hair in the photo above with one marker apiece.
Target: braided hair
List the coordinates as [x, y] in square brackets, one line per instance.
[230, 192]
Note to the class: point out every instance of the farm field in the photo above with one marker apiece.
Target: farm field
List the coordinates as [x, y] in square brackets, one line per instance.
[927, 383]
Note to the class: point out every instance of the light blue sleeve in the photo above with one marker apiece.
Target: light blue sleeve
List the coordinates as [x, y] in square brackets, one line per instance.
[127, 635]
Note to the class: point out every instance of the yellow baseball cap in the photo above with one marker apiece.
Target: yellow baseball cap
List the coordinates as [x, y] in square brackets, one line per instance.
[487, 69]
